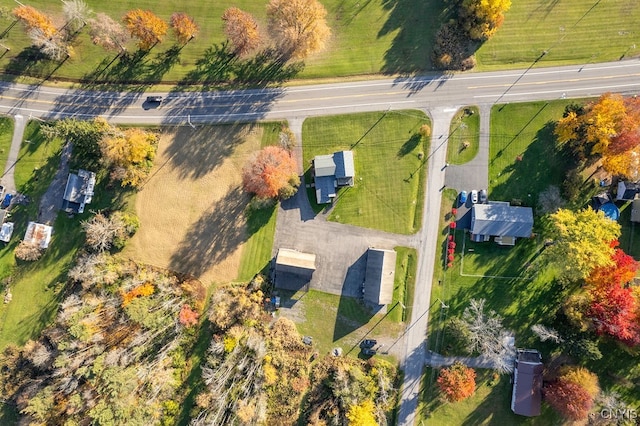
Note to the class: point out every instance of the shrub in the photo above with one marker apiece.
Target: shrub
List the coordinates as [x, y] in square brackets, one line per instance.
[28, 251]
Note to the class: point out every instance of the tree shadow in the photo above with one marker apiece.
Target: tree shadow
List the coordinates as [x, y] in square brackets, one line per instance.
[415, 23]
[409, 145]
[215, 236]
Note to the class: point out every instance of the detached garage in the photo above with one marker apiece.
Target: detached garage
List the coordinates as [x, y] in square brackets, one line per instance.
[293, 269]
[380, 276]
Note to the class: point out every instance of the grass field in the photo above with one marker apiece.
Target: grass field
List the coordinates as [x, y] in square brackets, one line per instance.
[335, 321]
[404, 285]
[465, 129]
[389, 183]
[377, 36]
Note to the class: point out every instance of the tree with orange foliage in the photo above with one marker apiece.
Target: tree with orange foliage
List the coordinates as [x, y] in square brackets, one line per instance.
[144, 25]
[188, 317]
[482, 18]
[271, 173]
[572, 394]
[33, 19]
[242, 30]
[613, 307]
[298, 27]
[184, 27]
[457, 382]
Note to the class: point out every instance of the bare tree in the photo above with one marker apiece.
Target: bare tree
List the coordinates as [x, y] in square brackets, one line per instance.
[488, 336]
[546, 333]
[28, 251]
[101, 232]
[54, 47]
[550, 200]
[107, 33]
[76, 13]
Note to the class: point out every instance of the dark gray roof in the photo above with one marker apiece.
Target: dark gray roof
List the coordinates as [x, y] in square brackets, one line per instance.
[527, 384]
[627, 190]
[380, 276]
[325, 189]
[501, 219]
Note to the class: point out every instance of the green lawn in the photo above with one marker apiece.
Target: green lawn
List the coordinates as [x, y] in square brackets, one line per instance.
[261, 227]
[464, 136]
[6, 134]
[571, 31]
[630, 238]
[489, 405]
[335, 321]
[376, 36]
[523, 159]
[388, 191]
[404, 284]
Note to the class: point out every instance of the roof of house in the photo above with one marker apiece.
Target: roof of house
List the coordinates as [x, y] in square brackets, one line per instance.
[380, 275]
[324, 165]
[627, 190]
[79, 191]
[38, 233]
[325, 189]
[635, 210]
[501, 219]
[527, 383]
[295, 259]
[344, 164]
[330, 171]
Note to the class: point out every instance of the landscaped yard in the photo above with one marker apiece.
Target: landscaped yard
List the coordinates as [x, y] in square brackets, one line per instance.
[199, 224]
[464, 136]
[389, 158]
[515, 282]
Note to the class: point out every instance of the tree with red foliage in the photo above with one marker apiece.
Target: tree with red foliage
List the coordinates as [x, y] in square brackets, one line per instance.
[188, 316]
[614, 308]
[457, 382]
[571, 400]
[271, 173]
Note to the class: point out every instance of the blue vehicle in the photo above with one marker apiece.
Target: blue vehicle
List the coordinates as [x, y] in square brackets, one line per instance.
[7, 201]
[463, 197]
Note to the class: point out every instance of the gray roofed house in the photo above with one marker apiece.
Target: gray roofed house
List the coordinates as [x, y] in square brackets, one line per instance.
[332, 171]
[293, 269]
[79, 191]
[502, 221]
[527, 383]
[627, 190]
[380, 276]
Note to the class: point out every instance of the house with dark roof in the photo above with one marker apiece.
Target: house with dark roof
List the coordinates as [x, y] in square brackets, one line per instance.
[526, 397]
[627, 191]
[331, 172]
[79, 191]
[502, 221]
[380, 276]
[293, 269]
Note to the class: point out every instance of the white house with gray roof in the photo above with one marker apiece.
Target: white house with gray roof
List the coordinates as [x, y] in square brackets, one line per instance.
[79, 191]
[331, 172]
[502, 221]
[380, 276]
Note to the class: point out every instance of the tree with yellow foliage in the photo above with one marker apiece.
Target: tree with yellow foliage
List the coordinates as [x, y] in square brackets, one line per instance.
[130, 154]
[362, 414]
[482, 18]
[604, 119]
[582, 241]
[184, 27]
[33, 19]
[144, 25]
[298, 27]
[242, 30]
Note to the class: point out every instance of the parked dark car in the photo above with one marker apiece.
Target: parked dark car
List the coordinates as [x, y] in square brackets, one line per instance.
[154, 99]
[368, 343]
[369, 352]
[483, 196]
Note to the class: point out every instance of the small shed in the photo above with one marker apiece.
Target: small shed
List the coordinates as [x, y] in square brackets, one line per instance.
[526, 398]
[293, 269]
[380, 276]
[79, 191]
[39, 234]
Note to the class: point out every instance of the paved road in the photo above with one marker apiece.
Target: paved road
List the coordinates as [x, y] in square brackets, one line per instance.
[437, 94]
